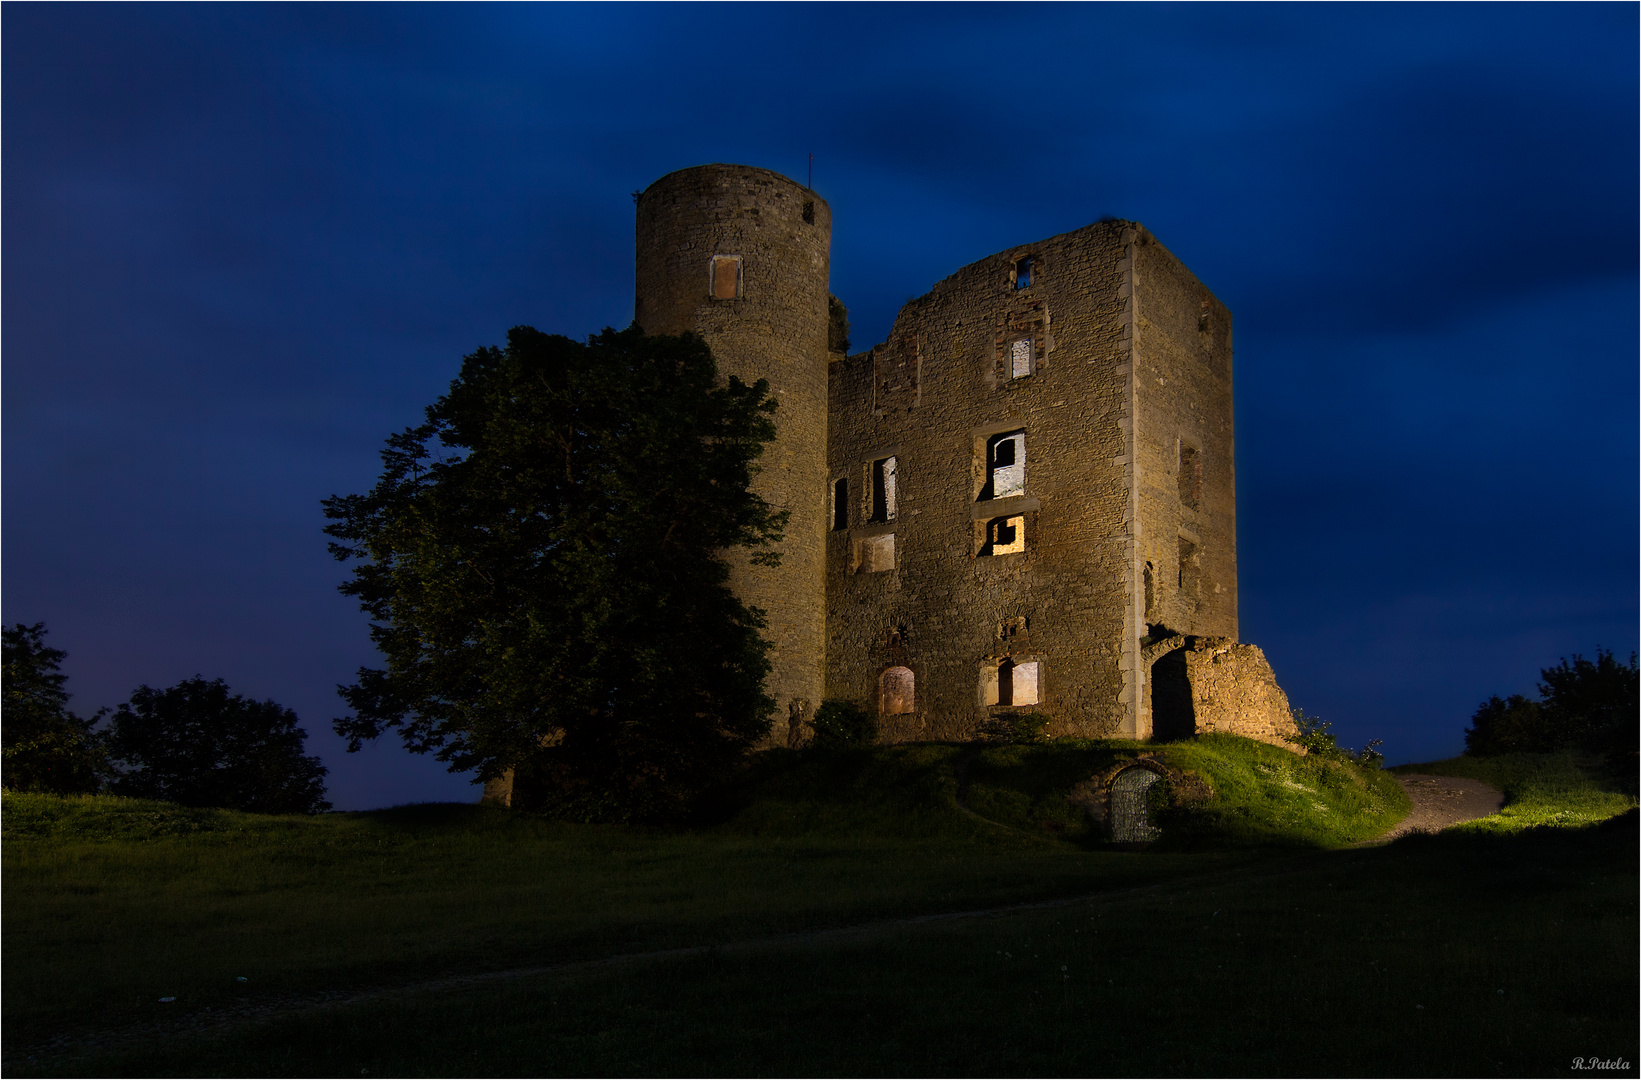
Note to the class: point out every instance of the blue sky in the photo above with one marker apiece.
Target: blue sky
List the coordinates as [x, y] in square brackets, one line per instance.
[245, 243]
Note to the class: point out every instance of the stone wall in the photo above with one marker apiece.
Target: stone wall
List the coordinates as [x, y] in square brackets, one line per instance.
[987, 578]
[1202, 685]
[1184, 442]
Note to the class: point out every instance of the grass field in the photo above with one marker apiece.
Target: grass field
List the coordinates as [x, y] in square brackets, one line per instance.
[1259, 946]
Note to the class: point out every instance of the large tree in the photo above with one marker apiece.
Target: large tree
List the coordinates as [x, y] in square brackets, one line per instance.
[46, 747]
[199, 744]
[543, 565]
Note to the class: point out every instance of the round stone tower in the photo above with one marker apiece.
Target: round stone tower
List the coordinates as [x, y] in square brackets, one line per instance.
[741, 256]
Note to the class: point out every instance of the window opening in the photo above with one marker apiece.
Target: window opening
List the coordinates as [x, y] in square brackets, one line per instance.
[897, 691]
[876, 553]
[726, 277]
[1150, 591]
[809, 212]
[1010, 682]
[1020, 358]
[1022, 273]
[1023, 684]
[1187, 567]
[1005, 536]
[1190, 477]
[1005, 466]
[885, 490]
[840, 503]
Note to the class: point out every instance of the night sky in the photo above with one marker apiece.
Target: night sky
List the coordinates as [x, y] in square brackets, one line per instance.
[243, 244]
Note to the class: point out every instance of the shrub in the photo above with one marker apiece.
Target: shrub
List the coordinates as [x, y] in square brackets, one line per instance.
[840, 724]
[1316, 737]
[1315, 734]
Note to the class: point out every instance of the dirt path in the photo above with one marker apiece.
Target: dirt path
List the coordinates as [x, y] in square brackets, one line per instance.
[1440, 801]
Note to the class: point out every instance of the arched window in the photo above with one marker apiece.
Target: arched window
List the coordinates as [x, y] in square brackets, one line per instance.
[897, 691]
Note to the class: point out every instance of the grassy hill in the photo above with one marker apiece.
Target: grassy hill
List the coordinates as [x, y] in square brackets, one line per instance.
[1248, 927]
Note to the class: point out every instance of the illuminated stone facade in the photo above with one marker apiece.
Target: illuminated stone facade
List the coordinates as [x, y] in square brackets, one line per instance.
[1024, 500]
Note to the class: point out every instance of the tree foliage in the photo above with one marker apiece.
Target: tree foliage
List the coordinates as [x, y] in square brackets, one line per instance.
[1581, 705]
[542, 562]
[46, 747]
[199, 744]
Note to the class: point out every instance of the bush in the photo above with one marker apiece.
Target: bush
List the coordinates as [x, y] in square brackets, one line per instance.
[839, 724]
[1316, 737]
[200, 745]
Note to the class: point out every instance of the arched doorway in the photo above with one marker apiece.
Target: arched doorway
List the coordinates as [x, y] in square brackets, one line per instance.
[1130, 817]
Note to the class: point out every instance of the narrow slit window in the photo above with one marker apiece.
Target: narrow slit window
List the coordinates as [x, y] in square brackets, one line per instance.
[840, 503]
[885, 489]
[726, 277]
[1005, 466]
[1190, 477]
[1020, 356]
[1187, 568]
[1022, 273]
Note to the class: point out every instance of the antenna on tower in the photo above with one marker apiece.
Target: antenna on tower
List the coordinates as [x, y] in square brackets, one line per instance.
[811, 172]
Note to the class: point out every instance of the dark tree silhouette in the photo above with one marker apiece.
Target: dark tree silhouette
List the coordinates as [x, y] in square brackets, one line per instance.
[46, 747]
[199, 744]
[542, 562]
[1582, 704]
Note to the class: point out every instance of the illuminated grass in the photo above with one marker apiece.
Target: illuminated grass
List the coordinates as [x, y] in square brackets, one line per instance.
[1540, 790]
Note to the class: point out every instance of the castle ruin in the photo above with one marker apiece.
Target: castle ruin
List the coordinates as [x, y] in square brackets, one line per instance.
[1024, 500]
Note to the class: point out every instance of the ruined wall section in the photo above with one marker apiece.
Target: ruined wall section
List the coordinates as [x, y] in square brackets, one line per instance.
[741, 256]
[923, 585]
[1185, 451]
[1207, 685]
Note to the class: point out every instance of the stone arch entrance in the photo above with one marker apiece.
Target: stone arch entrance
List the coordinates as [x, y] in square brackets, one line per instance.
[1130, 818]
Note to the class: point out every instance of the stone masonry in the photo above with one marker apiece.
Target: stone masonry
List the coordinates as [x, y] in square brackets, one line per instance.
[1008, 504]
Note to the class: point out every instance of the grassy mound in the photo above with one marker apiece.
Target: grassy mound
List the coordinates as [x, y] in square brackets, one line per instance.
[1540, 790]
[1262, 795]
